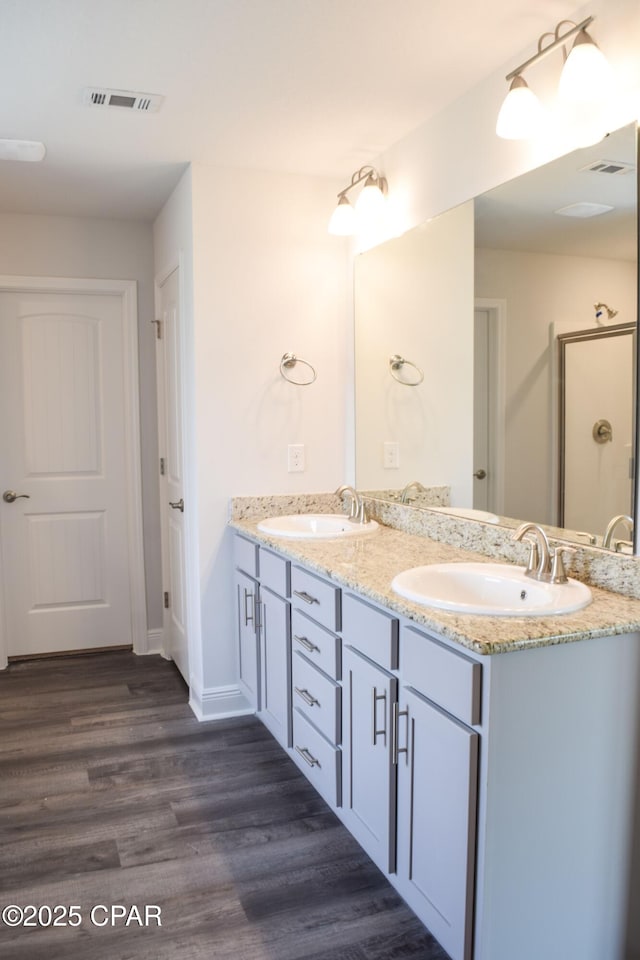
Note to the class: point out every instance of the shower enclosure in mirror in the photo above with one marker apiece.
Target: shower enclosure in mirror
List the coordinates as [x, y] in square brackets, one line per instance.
[539, 256]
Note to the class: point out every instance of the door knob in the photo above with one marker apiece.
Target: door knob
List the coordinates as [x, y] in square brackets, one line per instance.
[178, 505]
[480, 474]
[10, 495]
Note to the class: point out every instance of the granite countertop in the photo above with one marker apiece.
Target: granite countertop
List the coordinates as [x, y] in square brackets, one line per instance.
[368, 564]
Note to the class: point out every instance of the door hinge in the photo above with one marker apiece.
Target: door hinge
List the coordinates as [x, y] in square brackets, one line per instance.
[166, 599]
[158, 324]
[162, 470]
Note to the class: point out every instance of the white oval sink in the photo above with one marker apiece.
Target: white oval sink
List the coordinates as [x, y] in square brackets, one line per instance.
[316, 526]
[468, 513]
[495, 589]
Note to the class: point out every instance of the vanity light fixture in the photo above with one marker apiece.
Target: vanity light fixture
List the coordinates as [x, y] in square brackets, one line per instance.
[346, 219]
[586, 76]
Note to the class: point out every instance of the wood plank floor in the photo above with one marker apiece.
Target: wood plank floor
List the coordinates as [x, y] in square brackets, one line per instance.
[111, 792]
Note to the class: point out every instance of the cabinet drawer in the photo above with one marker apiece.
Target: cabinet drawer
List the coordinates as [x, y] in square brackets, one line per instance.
[318, 598]
[319, 760]
[319, 646]
[245, 555]
[444, 676]
[275, 572]
[317, 697]
[370, 630]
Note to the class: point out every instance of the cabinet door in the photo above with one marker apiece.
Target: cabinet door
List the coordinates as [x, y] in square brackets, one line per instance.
[369, 787]
[437, 783]
[275, 665]
[246, 604]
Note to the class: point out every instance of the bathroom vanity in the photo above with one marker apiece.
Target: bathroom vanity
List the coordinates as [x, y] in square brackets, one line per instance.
[486, 765]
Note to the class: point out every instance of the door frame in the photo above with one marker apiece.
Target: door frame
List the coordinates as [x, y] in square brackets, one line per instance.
[126, 290]
[497, 312]
[190, 527]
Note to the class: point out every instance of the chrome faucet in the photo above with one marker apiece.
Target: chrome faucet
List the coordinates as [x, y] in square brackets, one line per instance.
[539, 565]
[415, 484]
[545, 563]
[611, 527]
[357, 511]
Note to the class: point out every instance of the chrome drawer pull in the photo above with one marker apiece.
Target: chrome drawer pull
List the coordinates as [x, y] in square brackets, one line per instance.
[305, 596]
[308, 646]
[307, 756]
[307, 697]
[374, 716]
[395, 733]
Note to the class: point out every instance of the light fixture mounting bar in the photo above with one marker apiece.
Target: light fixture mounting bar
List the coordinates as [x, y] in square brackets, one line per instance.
[543, 52]
[363, 174]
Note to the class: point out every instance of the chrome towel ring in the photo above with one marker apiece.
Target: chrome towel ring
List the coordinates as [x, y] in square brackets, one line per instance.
[396, 363]
[289, 361]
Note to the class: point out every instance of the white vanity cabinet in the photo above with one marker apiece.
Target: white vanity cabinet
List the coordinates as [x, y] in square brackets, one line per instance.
[316, 692]
[437, 761]
[274, 630]
[370, 695]
[369, 793]
[247, 599]
[496, 792]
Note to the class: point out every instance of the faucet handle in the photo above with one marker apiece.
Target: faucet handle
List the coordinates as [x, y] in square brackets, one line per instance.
[534, 555]
[558, 573]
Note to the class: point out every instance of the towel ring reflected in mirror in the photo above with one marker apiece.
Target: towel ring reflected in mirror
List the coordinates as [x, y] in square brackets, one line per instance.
[289, 361]
[396, 363]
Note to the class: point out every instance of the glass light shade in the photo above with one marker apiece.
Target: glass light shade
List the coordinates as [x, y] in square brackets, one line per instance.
[370, 203]
[343, 219]
[521, 114]
[587, 74]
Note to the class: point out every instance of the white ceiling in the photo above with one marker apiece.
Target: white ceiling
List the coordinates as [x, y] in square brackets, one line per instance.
[302, 86]
[520, 214]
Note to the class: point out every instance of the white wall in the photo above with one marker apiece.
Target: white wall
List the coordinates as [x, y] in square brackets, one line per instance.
[267, 279]
[414, 297]
[51, 246]
[541, 289]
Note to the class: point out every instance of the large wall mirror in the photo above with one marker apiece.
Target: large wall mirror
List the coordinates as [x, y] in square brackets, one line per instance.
[495, 350]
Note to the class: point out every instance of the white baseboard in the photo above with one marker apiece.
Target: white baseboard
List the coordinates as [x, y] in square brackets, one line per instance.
[155, 641]
[218, 703]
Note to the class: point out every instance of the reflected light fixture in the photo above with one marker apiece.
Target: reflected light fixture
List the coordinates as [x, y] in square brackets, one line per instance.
[347, 219]
[586, 77]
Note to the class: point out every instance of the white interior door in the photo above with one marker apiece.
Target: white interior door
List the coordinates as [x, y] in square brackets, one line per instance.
[65, 538]
[172, 479]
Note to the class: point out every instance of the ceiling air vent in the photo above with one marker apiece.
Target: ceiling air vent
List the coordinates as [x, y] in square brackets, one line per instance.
[124, 99]
[609, 166]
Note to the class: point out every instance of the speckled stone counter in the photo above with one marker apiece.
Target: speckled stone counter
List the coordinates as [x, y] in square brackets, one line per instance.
[367, 565]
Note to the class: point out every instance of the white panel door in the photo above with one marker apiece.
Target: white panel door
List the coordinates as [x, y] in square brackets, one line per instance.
[65, 557]
[172, 479]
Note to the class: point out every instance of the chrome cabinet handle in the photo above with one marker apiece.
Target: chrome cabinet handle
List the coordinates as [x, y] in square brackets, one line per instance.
[306, 644]
[374, 716]
[177, 505]
[308, 698]
[307, 756]
[10, 495]
[249, 617]
[305, 596]
[395, 733]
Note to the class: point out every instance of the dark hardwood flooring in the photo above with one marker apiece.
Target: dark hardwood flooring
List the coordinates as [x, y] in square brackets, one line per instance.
[111, 792]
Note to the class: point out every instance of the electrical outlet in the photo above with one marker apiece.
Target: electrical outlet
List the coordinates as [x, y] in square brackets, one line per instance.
[391, 455]
[295, 457]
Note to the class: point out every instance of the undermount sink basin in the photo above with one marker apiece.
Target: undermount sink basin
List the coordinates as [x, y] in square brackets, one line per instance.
[468, 513]
[494, 589]
[316, 526]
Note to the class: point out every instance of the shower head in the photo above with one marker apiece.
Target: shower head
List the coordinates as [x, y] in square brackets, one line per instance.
[600, 308]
